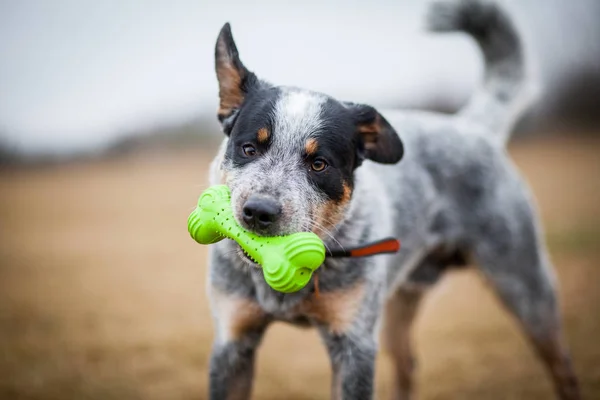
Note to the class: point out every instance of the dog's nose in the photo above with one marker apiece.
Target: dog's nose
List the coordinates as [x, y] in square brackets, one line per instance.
[260, 212]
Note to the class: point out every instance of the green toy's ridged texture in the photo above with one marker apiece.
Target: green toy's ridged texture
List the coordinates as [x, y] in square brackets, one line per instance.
[288, 261]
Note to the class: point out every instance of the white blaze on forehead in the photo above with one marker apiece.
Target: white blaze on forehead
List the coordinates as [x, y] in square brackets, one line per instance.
[297, 115]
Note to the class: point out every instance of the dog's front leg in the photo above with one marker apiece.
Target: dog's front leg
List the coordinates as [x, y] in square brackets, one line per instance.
[347, 320]
[353, 363]
[232, 369]
[240, 324]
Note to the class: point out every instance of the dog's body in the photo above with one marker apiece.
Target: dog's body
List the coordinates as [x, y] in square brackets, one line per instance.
[312, 163]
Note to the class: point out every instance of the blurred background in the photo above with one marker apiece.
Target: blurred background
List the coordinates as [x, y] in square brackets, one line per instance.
[107, 127]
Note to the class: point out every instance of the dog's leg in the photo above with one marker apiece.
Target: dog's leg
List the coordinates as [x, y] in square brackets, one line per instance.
[533, 301]
[240, 324]
[516, 264]
[347, 320]
[353, 364]
[400, 313]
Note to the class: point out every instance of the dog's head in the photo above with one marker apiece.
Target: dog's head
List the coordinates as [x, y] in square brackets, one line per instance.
[291, 153]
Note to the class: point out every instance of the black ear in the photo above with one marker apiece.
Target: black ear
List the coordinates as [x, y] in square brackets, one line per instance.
[235, 81]
[379, 141]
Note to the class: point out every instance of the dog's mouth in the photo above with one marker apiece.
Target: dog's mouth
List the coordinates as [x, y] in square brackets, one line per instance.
[245, 257]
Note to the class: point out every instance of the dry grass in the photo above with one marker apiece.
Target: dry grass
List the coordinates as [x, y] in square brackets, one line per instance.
[102, 291]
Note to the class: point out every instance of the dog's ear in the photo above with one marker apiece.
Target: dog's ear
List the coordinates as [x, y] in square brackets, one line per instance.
[378, 141]
[235, 81]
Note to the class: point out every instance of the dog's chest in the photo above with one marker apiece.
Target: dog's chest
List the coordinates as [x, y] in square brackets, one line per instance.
[281, 306]
[336, 309]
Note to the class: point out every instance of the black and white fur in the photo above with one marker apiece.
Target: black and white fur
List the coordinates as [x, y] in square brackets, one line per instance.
[454, 198]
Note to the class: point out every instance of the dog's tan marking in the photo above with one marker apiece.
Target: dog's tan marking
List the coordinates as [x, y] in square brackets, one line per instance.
[230, 82]
[370, 133]
[347, 193]
[330, 213]
[552, 351]
[230, 92]
[400, 312]
[336, 309]
[262, 135]
[311, 146]
[237, 315]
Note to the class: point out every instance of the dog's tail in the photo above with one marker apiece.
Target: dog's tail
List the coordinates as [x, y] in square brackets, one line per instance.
[506, 91]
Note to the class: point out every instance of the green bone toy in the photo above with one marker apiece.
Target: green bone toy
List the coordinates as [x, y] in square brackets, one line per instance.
[288, 261]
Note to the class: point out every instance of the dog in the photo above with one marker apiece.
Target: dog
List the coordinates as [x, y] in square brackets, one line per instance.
[296, 160]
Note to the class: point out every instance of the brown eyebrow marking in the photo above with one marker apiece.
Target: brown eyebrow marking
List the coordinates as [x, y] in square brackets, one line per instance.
[311, 146]
[262, 135]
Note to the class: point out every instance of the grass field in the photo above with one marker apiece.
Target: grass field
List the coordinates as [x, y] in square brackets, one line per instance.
[102, 291]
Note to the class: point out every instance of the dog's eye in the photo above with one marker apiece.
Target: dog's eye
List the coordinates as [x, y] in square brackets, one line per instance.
[249, 150]
[318, 165]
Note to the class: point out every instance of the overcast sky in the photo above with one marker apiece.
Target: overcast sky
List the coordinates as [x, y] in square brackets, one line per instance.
[74, 74]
